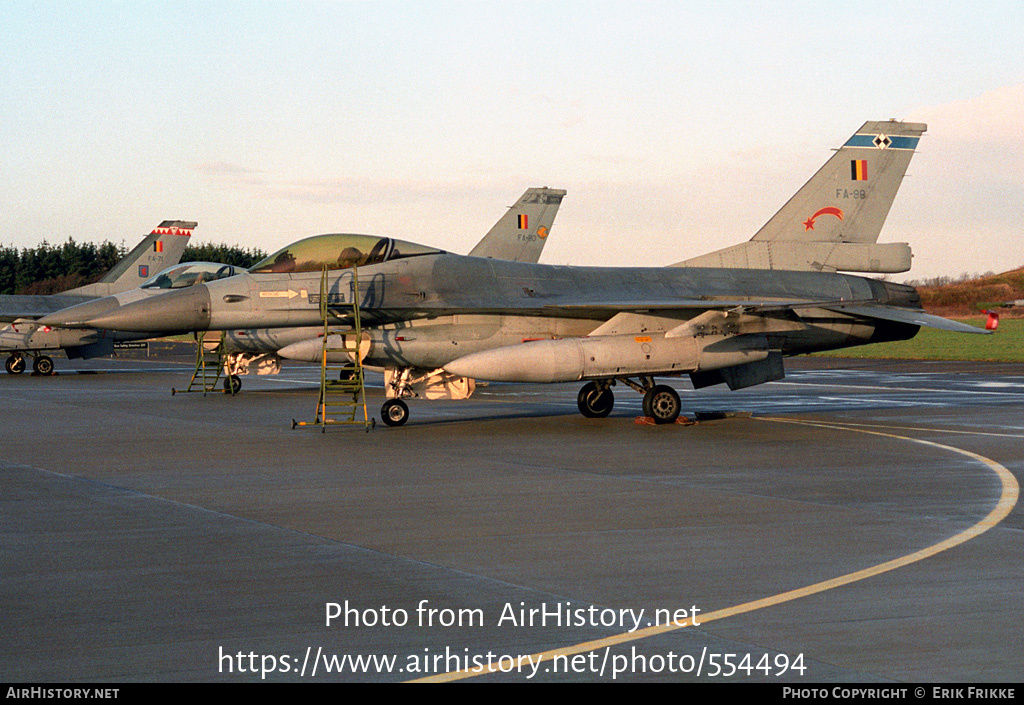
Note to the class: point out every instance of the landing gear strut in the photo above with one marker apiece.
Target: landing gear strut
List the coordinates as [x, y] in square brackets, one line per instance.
[395, 412]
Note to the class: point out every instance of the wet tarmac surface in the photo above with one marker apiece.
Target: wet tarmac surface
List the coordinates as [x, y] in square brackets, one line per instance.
[151, 537]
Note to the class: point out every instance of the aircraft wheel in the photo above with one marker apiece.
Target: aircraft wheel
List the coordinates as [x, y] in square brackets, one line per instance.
[43, 365]
[662, 404]
[347, 374]
[233, 384]
[594, 402]
[15, 365]
[394, 412]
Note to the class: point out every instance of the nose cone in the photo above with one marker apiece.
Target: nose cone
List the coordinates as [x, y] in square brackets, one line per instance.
[74, 316]
[175, 312]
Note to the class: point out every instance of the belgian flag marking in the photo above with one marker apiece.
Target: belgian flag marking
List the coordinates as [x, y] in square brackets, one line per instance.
[859, 170]
[524, 221]
[158, 246]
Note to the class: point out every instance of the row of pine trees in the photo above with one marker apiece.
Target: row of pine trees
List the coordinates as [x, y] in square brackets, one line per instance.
[49, 269]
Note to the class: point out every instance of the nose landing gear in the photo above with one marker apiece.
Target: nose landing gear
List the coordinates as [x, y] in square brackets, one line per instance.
[394, 412]
[596, 400]
[15, 365]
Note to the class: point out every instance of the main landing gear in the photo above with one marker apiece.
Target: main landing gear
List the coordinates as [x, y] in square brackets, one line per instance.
[41, 364]
[661, 402]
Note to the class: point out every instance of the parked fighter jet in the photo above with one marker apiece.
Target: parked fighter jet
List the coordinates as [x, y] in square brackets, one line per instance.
[100, 342]
[518, 236]
[256, 348]
[162, 247]
[442, 320]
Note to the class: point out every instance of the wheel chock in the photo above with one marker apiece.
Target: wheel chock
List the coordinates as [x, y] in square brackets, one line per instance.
[649, 421]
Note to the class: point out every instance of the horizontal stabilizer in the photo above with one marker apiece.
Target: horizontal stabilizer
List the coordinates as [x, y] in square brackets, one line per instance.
[906, 315]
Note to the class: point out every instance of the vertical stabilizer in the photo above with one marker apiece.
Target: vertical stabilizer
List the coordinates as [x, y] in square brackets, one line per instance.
[833, 222]
[850, 197]
[521, 233]
[160, 249]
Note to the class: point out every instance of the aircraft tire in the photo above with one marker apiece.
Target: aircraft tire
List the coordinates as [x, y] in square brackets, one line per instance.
[394, 412]
[662, 404]
[594, 402]
[233, 384]
[15, 365]
[43, 365]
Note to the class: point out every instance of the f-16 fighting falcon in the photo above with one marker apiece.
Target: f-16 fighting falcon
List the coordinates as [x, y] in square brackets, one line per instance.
[257, 348]
[26, 336]
[439, 320]
[508, 239]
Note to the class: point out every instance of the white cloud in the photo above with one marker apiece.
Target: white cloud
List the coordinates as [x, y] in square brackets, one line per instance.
[962, 208]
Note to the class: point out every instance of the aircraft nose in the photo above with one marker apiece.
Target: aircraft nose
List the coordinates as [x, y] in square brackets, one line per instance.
[73, 316]
[175, 312]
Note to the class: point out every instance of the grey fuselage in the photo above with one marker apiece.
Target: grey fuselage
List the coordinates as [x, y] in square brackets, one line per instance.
[453, 305]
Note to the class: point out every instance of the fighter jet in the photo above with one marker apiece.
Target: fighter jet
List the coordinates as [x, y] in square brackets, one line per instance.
[41, 336]
[442, 320]
[518, 236]
[26, 336]
[256, 348]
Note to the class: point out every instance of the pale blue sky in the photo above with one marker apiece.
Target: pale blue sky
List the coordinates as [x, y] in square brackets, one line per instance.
[677, 128]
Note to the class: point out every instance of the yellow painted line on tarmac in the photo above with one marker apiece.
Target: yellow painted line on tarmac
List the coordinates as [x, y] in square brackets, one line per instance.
[929, 429]
[1007, 500]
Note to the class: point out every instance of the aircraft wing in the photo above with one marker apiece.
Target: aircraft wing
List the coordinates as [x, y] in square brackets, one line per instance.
[596, 310]
[740, 305]
[862, 309]
[15, 306]
[606, 309]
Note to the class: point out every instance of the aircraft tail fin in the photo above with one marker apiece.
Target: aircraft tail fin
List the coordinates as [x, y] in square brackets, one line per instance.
[833, 222]
[160, 249]
[520, 234]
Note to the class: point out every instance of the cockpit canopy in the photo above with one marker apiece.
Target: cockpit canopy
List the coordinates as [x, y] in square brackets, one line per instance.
[187, 274]
[339, 251]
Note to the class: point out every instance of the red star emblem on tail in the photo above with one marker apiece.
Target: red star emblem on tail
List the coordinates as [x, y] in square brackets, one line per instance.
[829, 210]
